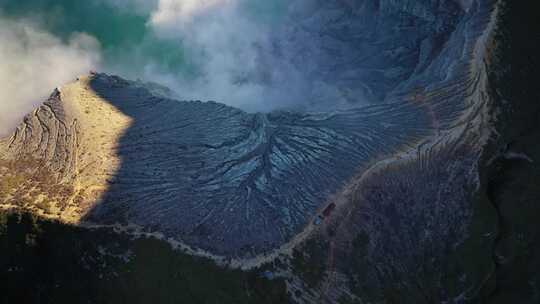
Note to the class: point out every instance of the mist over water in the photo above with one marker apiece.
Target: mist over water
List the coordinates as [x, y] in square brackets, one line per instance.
[202, 49]
[259, 56]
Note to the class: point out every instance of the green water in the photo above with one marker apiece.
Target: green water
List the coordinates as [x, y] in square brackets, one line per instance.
[126, 40]
[128, 44]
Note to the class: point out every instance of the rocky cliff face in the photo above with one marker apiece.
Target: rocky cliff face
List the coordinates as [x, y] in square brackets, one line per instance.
[109, 151]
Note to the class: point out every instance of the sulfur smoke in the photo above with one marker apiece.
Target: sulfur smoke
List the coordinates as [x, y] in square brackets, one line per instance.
[225, 44]
[202, 49]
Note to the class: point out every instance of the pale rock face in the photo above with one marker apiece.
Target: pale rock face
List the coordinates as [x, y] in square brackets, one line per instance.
[236, 184]
[72, 137]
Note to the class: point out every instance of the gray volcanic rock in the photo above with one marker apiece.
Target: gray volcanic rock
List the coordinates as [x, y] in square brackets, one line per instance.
[238, 184]
[232, 182]
[210, 175]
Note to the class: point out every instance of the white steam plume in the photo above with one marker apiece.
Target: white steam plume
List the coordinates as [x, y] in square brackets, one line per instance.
[229, 48]
[179, 12]
[222, 42]
[33, 62]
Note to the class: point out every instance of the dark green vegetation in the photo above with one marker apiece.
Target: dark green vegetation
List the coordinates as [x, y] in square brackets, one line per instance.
[310, 261]
[513, 178]
[47, 262]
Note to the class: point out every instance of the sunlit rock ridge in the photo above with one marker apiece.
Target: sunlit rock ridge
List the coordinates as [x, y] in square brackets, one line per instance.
[105, 150]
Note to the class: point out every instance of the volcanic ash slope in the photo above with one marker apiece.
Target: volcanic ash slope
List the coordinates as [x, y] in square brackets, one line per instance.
[109, 151]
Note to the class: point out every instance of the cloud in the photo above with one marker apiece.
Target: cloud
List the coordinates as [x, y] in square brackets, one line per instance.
[219, 50]
[237, 49]
[33, 62]
[220, 41]
[178, 13]
[229, 45]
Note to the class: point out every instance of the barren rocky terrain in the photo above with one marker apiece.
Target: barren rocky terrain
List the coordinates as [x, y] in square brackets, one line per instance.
[385, 201]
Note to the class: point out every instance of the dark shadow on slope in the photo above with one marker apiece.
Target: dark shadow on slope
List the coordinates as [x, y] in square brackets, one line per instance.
[233, 183]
